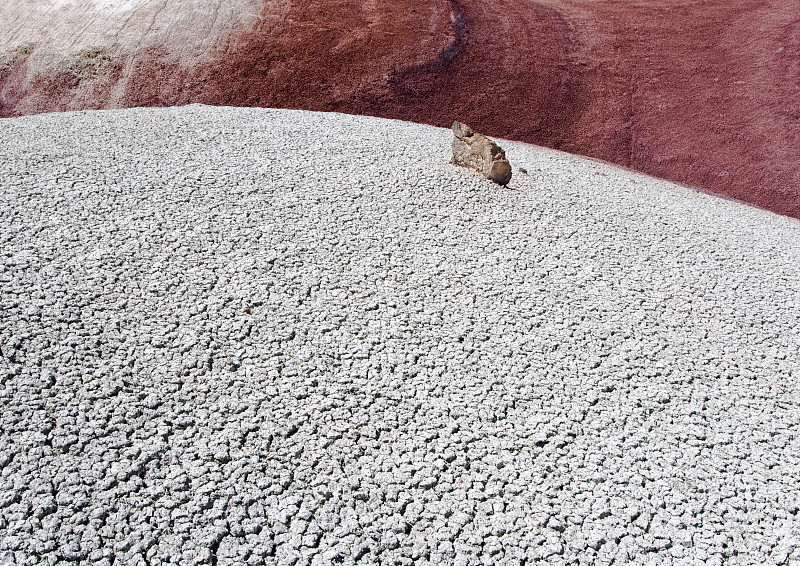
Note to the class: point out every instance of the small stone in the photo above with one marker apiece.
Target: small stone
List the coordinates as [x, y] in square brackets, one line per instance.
[476, 151]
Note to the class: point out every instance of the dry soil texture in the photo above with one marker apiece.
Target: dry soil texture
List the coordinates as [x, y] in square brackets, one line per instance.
[278, 337]
[703, 92]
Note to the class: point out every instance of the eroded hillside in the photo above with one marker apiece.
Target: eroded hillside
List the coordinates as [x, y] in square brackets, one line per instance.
[701, 92]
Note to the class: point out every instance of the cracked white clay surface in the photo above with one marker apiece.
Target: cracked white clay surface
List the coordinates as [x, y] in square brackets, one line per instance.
[248, 336]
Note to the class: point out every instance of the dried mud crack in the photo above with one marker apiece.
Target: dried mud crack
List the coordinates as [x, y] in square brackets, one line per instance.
[234, 336]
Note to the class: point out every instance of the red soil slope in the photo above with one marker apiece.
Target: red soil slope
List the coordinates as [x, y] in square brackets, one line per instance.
[704, 92]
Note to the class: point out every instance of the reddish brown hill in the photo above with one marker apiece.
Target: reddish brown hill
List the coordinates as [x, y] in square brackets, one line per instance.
[705, 92]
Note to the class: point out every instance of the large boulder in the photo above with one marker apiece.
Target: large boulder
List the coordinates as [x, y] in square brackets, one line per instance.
[476, 151]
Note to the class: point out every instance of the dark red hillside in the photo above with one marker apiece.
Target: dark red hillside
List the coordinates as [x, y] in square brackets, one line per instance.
[705, 92]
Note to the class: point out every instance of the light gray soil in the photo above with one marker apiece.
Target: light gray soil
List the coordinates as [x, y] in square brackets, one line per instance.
[255, 336]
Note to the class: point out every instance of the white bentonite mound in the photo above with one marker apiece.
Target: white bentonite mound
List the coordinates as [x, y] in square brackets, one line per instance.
[266, 336]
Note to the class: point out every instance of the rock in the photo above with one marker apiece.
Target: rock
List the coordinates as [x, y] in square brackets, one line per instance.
[476, 151]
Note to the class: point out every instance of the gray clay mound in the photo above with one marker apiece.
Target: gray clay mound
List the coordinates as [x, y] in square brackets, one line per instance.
[254, 336]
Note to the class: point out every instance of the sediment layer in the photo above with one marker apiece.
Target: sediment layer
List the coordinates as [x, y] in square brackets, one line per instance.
[704, 94]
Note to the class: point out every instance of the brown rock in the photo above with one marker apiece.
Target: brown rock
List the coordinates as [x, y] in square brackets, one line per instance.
[476, 151]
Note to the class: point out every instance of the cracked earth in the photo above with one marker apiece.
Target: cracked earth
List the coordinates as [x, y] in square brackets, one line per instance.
[237, 336]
